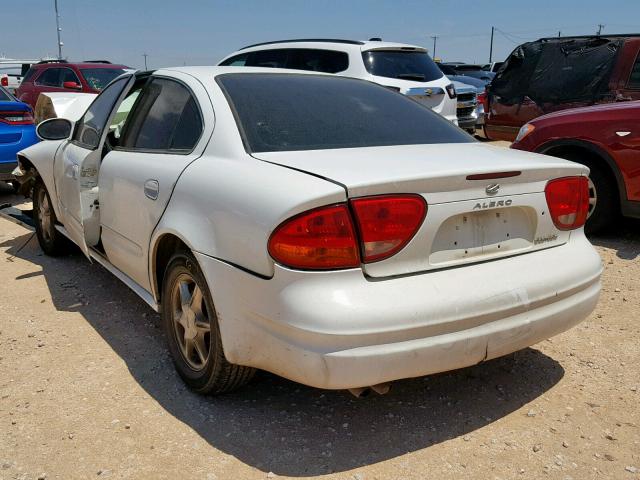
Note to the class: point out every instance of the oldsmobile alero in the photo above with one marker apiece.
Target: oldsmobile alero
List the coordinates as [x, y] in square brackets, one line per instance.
[322, 228]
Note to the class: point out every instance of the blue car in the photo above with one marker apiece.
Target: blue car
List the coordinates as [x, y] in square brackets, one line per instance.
[17, 131]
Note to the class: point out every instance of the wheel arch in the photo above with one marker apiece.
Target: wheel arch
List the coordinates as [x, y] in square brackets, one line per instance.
[163, 246]
[595, 153]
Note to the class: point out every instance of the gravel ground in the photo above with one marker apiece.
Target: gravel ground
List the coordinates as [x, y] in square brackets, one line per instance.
[87, 390]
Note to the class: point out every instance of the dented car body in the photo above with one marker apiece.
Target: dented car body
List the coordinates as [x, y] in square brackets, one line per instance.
[345, 241]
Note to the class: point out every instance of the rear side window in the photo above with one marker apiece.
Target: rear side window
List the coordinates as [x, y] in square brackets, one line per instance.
[166, 117]
[634, 78]
[405, 65]
[29, 76]
[310, 59]
[49, 78]
[55, 77]
[285, 112]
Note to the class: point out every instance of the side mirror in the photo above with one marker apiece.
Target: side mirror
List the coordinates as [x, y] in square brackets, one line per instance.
[72, 85]
[55, 129]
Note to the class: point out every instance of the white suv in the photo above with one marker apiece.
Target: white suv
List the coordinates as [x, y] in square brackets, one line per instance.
[407, 69]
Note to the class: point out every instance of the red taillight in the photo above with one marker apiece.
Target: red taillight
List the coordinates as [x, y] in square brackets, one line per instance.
[320, 239]
[387, 223]
[568, 201]
[325, 238]
[4, 81]
[17, 118]
[483, 98]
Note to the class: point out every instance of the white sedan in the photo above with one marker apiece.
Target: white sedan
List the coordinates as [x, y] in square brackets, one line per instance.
[322, 228]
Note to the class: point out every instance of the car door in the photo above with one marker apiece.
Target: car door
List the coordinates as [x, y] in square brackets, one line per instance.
[77, 164]
[163, 133]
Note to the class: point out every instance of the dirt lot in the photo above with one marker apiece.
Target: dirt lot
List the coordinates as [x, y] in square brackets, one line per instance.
[87, 390]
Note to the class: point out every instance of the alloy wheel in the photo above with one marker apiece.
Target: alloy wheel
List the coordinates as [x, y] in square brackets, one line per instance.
[191, 321]
[44, 214]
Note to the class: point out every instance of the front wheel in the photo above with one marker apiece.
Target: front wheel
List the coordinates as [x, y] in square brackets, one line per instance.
[51, 241]
[192, 330]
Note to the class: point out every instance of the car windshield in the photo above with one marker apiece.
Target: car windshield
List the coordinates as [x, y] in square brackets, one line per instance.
[98, 78]
[405, 65]
[4, 96]
[286, 112]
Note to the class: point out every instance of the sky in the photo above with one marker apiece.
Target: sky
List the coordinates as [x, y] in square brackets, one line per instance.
[201, 32]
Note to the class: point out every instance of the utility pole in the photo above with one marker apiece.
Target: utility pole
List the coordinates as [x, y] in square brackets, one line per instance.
[58, 29]
[435, 37]
[145, 60]
[559, 33]
[491, 46]
[600, 27]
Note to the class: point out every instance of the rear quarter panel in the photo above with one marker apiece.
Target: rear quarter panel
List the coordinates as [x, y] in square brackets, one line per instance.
[227, 203]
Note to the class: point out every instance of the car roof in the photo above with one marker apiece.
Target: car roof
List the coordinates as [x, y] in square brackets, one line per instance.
[214, 71]
[335, 44]
[79, 65]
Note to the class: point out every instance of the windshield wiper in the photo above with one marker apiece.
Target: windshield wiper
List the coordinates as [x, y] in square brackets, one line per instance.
[411, 76]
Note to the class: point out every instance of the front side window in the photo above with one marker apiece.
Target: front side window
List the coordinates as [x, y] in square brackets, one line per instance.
[165, 117]
[68, 75]
[634, 78]
[98, 78]
[405, 65]
[285, 112]
[89, 130]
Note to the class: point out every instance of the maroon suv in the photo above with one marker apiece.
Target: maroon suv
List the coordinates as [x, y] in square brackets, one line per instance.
[605, 138]
[63, 76]
[558, 73]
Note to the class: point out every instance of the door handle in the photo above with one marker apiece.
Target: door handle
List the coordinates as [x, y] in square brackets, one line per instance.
[151, 189]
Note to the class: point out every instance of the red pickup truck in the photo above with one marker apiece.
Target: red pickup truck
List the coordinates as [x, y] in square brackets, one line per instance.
[605, 138]
[558, 73]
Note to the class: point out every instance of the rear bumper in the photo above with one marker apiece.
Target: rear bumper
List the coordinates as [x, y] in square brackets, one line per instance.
[340, 330]
[8, 151]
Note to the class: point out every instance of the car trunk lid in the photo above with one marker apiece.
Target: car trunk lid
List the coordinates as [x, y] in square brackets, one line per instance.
[484, 202]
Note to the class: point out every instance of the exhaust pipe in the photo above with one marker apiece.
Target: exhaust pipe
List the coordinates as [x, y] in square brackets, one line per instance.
[362, 392]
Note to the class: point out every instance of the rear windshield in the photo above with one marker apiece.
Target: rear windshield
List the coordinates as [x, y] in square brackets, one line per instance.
[98, 78]
[285, 112]
[405, 65]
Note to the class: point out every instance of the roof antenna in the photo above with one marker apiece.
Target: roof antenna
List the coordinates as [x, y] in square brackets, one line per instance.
[375, 39]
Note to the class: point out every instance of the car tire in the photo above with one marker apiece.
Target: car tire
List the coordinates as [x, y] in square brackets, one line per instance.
[51, 241]
[193, 335]
[603, 193]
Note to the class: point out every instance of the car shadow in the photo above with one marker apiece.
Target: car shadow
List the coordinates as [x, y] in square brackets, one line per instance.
[306, 431]
[623, 237]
